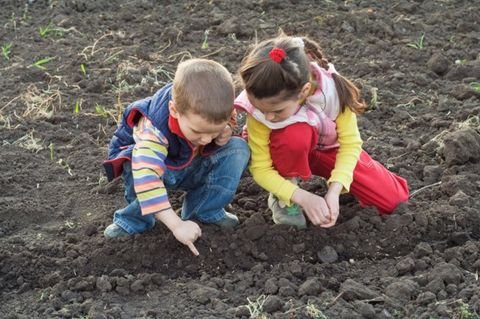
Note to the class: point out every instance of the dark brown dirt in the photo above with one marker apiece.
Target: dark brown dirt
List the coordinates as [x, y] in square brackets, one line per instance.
[56, 121]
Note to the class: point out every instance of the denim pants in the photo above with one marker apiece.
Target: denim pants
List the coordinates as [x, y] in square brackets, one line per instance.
[210, 183]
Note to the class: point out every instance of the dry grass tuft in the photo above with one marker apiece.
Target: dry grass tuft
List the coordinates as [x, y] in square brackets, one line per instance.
[41, 103]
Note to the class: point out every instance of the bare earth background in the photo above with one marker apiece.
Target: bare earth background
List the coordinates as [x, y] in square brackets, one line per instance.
[72, 67]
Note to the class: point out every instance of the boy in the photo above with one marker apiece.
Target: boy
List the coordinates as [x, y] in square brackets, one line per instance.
[179, 139]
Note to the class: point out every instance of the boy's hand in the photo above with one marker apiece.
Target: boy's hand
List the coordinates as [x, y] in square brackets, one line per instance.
[332, 198]
[315, 206]
[187, 232]
[224, 136]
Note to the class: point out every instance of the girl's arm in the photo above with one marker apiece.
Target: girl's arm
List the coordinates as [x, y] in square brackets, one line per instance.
[347, 158]
[261, 166]
[349, 150]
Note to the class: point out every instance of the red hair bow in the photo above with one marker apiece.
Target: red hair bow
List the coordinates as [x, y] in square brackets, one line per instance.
[277, 54]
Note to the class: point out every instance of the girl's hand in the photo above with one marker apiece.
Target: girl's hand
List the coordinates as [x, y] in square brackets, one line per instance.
[332, 198]
[224, 136]
[314, 206]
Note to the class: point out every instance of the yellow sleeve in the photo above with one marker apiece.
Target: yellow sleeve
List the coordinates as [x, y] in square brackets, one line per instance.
[261, 166]
[349, 150]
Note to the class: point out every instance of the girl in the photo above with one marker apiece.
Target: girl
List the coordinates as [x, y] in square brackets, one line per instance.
[302, 121]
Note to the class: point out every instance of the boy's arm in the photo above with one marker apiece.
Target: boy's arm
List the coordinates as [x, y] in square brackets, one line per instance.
[148, 167]
[349, 150]
[261, 166]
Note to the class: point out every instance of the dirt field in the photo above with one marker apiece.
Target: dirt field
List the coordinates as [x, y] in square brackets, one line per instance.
[69, 67]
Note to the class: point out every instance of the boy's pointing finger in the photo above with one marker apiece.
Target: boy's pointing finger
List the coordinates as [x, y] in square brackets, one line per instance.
[193, 248]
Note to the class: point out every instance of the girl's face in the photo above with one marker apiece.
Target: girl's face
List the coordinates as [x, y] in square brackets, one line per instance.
[276, 108]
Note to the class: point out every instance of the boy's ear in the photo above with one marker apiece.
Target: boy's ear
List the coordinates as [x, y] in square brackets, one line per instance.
[172, 109]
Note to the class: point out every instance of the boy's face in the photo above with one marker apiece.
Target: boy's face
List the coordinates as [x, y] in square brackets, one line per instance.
[196, 129]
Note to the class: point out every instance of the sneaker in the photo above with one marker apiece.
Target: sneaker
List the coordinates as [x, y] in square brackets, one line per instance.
[229, 221]
[286, 215]
[113, 231]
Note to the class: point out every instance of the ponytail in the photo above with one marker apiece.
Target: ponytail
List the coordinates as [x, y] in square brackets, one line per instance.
[348, 93]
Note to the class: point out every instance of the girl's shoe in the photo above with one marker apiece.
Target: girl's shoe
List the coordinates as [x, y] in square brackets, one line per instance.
[113, 231]
[286, 215]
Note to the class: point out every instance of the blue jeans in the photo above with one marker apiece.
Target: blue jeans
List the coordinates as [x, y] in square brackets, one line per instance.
[210, 184]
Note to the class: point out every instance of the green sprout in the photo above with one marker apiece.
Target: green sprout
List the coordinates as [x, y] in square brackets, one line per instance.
[78, 104]
[50, 146]
[50, 30]
[475, 86]
[83, 68]
[374, 99]
[13, 21]
[205, 40]
[39, 63]
[25, 15]
[100, 110]
[6, 50]
[465, 312]
[418, 44]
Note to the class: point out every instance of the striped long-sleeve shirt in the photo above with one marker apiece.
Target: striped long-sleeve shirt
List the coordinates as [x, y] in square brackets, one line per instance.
[148, 167]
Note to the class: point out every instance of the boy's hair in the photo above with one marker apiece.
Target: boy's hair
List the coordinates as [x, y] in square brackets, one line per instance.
[263, 77]
[204, 87]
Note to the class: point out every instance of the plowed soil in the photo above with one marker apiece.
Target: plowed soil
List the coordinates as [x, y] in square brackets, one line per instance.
[72, 66]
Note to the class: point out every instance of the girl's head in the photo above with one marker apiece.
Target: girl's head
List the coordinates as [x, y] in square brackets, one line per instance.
[276, 76]
[277, 67]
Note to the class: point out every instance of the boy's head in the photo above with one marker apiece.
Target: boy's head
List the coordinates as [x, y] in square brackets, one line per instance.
[203, 95]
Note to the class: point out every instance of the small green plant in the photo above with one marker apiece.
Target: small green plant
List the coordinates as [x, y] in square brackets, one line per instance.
[50, 30]
[205, 40]
[100, 110]
[465, 312]
[103, 112]
[418, 44]
[6, 50]
[78, 104]
[475, 86]
[25, 15]
[374, 99]
[50, 146]
[39, 63]
[13, 22]
[83, 68]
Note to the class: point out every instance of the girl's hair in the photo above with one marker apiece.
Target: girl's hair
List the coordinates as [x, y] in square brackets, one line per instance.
[263, 77]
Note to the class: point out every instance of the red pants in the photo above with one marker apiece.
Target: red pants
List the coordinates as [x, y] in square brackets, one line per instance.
[294, 154]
